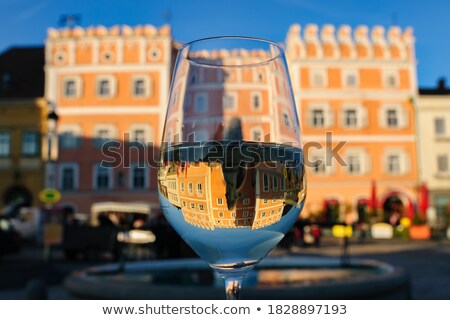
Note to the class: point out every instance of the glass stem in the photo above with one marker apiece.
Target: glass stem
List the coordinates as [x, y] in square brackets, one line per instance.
[233, 287]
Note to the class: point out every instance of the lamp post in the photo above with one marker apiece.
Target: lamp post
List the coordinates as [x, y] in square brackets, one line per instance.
[50, 172]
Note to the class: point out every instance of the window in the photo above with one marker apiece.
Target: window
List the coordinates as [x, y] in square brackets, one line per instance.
[200, 102]
[70, 89]
[392, 118]
[351, 118]
[233, 214]
[30, 143]
[265, 200]
[182, 186]
[138, 136]
[229, 101]
[354, 164]
[263, 214]
[199, 189]
[286, 120]
[106, 86]
[275, 184]
[439, 126]
[102, 178]
[220, 214]
[319, 166]
[256, 133]
[265, 182]
[219, 201]
[256, 101]
[104, 133]
[350, 78]
[192, 205]
[101, 137]
[442, 163]
[391, 79]
[246, 201]
[201, 207]
[68, 176]
[138, 177]
[141, 87]
[245, 215]
[393, 165]
[184, 203]
[5, 144]
[318, 118]
[190, 188]
[318, 78]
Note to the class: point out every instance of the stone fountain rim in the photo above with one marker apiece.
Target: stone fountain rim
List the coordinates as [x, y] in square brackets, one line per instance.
[393, 279]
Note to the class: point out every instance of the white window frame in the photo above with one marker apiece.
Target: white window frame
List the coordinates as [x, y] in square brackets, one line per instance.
[110, 174]
[328, 115]
[76, 172]
[131, 176]
[324, 170]
[112, 89]
[360, 115]
[196, 102]
[148, 133]
[403, 158]
[363, 158]
[199, 188]
[234, 97]
[402, 116]
[350, 72]
[77, 89]
[387, 75]
[219, 201]
[258, 95]
[148, 86]
[322, 73]
[112, 133]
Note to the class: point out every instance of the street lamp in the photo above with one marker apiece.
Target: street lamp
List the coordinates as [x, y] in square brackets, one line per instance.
[52, 120]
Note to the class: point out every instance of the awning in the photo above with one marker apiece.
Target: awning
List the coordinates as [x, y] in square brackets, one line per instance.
[130, 207]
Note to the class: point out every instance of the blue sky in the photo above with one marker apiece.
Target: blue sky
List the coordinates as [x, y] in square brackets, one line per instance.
[24, 22]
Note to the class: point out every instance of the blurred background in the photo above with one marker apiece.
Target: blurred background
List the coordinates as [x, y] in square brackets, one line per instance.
[369, 82]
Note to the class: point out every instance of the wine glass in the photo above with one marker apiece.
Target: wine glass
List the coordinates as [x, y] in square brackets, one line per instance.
[230, 174]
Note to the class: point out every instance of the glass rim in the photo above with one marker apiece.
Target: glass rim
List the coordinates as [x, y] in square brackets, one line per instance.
[243, 65]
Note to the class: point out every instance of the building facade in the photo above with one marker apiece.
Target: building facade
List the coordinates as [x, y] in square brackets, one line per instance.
[358, 86]
[433, 121]
[110, 90]
[23, 115]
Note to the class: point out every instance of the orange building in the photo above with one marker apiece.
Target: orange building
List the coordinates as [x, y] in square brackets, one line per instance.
[359, 87]
[108, 85]
[262, 195]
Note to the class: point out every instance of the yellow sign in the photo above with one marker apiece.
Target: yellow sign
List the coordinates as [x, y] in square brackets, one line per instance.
[405, 222]
[340, 231]
[49, 196]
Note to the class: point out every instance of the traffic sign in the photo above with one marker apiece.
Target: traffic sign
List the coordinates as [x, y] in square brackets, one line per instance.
[49, 196]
